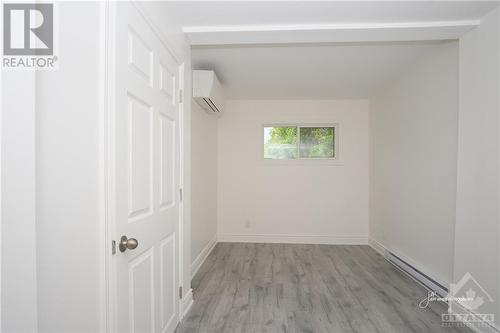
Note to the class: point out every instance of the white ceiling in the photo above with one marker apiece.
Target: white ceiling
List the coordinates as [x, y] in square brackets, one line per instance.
[214, 13]
[308, 71]
[277, 65]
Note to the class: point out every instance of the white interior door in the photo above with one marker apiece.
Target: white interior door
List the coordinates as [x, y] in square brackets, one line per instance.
[146, 134]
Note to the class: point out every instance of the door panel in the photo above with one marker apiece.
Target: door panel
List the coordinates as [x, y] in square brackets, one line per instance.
[140, 158]
[146, 141]
[167, 161]
[167, 277]
[167, 83]
[141, 293]
[140, 56]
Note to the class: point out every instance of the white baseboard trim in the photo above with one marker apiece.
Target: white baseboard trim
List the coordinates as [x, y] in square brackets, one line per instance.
[186, 303]
[294, 239]
[377, 247]
[200, 259]
[411, 268]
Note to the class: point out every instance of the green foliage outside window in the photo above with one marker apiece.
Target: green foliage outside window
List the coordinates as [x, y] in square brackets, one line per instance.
[280, 142]
[315, 142]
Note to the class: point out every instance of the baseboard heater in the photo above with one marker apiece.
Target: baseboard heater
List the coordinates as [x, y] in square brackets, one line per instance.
[416, 274]
[431, 284]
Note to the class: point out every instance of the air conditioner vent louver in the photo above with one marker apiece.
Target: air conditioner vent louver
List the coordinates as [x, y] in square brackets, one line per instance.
[211, 105]
[207, 91]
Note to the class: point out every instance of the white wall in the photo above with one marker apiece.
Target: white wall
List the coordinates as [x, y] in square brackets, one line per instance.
[477, 230]
[203, 184]
[413, 148]
[18, 217]
[292, 202]
[68, 176]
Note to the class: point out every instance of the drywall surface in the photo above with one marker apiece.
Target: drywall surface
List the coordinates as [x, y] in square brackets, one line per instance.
[203, 183]
[68, 177]
[413, 156]
[477, 248]
[18, 210]
[292, 201]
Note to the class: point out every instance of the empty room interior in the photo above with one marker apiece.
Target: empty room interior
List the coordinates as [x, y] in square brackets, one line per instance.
[255, 167]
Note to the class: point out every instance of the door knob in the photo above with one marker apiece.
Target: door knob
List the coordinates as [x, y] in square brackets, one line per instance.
[127, 243]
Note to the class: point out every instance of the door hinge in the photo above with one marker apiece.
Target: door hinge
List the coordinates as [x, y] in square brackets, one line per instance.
[181, 95]
[113, 247]
[180, 292]
[180, 194]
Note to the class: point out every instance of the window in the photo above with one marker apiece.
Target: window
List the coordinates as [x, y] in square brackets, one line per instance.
[299, 142]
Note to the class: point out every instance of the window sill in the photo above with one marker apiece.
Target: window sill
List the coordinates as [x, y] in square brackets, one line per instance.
[300, 162]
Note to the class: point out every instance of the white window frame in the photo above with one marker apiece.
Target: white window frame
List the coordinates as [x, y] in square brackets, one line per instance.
[303, 160]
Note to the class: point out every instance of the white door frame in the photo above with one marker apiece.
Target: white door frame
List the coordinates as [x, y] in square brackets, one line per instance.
[107, 132]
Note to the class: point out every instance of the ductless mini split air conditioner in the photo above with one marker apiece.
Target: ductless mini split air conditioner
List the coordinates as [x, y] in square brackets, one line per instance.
[207, 91]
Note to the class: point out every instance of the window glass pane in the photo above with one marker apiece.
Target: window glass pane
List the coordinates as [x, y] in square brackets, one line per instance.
[317, 142]
[280, 142]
